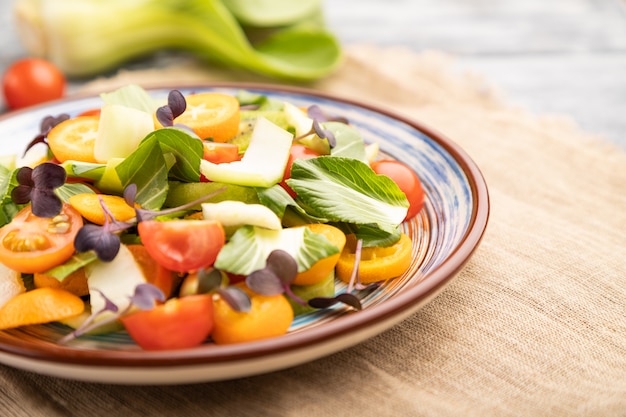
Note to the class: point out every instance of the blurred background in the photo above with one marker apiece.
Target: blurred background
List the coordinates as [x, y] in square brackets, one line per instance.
[558, 56]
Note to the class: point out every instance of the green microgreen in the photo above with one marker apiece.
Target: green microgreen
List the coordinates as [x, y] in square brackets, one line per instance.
[37, 185]
[145, 297]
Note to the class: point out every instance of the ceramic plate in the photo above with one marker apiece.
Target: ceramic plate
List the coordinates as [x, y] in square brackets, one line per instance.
[445, 234]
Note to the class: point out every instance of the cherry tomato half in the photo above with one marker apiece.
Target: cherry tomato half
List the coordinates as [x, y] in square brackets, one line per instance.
[32, 81]
[182, 245]
[406, 179]
[35, 244]
[297, 151]
[180, 323]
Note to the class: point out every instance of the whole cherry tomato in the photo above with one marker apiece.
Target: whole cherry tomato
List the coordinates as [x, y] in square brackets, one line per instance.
[406, 179]
[31, 81]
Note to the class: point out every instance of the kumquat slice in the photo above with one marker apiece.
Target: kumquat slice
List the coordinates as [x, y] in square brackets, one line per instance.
[74, 139]
[38, 306]
[211, 116]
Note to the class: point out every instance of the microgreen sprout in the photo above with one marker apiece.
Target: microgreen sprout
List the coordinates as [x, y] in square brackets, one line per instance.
[145, 297]
[354, 284]
[210, 280]
[317, 129]
[105, 241]
[37, 185]
[315, 112]
[176, 105]
[319, 117]
[46, 125]
[279, 272]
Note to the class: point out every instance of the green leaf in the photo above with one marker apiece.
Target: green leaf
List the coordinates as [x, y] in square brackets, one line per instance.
[133, 96]
[77, 261]
[267, 13]
[148, 168]
[8, 209]
[349, 141]
[249, 247]
[68, 190]
[88, 170]
[186, 149]
[285, 207]
[348, 190]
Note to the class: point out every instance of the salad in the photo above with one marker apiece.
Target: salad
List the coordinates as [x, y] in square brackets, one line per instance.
[200, 218]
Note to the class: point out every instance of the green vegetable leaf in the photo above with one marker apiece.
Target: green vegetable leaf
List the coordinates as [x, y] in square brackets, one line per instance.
[132, 96]
[267, 13]
[8, 209]
[347, 190]
[127, 30]
[68, 190]
[88, 170]
[249, 247]
[186, 149]
[148, 168]
[285, 207]
[77, 261]
[349, 142]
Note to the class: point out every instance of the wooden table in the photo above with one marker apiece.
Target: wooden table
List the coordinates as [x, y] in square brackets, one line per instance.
[559, 56]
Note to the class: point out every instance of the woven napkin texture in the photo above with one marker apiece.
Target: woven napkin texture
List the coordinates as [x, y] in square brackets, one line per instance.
[535, 325]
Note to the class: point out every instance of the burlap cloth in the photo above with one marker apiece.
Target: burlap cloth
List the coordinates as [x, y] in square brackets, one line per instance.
[535, 325]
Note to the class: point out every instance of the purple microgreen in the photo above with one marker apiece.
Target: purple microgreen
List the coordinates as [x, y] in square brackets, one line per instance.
[283, 265]
[89, 324]
[280, 270]
[176, 105]
[47, 123]
[209, 280]
[354, 278]
[100, 239]
[345, 298]
[146, 296]
[249, 107]
[104, 240]
[317, 129]
[236, 298]
[130, 194]
[315, 112]
[37, 186]
[143, 214]
[165, 116]
[266, 282]
[324, 134]
[176, 101]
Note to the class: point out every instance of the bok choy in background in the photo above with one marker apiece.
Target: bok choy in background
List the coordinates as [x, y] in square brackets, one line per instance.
[284, 39]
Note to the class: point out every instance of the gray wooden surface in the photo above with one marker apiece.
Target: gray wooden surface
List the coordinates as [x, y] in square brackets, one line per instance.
[549, 56]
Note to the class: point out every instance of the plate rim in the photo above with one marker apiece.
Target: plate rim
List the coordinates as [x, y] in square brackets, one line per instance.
[408, 299]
